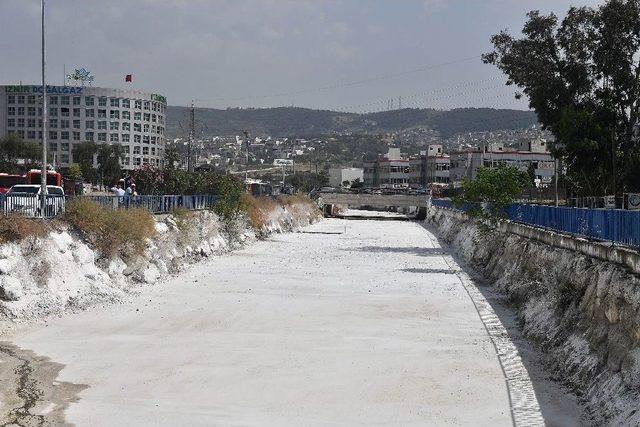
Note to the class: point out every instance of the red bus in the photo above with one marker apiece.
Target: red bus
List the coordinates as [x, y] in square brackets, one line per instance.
[9, 180]
[53, 177]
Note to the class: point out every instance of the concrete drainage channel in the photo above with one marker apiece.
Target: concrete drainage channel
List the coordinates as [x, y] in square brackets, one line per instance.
[525, 409]
[536, 397]
[32, 395]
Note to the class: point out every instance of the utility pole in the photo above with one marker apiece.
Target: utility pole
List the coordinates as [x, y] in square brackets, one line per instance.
[555, 164]
[246, 140]
[613, 164]
[45, 121]
[192, 126]
[399, 103]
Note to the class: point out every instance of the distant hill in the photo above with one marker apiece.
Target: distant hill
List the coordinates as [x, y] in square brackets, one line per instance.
[291, 121]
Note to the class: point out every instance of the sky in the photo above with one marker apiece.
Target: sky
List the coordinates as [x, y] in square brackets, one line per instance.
[346, 55]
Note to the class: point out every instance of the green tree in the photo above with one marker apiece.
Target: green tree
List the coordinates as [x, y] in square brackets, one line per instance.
[84, 155]
[75, 172]
[13, 148]
[492, 190]
[357, 183]
[306, 181]
[171, 156]
[109, 157]
[582, 77]
[149, 180]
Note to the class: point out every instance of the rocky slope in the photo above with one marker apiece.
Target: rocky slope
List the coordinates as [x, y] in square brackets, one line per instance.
[45, 276]
[582, 311]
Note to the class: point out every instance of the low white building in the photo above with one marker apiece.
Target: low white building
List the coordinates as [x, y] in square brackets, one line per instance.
[339, 175]
[465, 164]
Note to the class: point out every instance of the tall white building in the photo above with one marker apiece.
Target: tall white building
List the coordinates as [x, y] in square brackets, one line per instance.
[133, 119]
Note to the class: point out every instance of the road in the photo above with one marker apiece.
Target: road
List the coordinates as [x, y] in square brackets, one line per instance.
[348, 323]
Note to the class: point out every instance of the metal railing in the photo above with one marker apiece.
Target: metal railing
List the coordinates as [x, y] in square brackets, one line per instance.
[29, 204]
[614, 225]
[156, 204]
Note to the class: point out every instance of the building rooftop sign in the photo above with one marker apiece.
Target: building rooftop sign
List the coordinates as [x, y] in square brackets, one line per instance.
[67, 90]
[158, 98]
[81, 75]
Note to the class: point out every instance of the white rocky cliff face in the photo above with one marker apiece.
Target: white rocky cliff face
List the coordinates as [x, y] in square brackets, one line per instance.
[44, 276]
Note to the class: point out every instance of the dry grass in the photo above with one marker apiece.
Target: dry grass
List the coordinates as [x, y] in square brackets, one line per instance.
[15, 228]
[111, 231]
[299, 205]
[295, 200]
[258, 210]
[184, 218]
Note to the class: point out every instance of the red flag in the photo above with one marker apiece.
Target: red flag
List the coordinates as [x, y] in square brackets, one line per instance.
[128, 78]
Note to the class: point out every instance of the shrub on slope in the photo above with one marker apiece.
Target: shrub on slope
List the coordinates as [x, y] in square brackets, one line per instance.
[111, 231]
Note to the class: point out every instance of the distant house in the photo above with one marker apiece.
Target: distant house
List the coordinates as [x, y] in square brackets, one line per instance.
[390, 170]
[534, 153]
[393, 170]
[339, 175]
[435, 166]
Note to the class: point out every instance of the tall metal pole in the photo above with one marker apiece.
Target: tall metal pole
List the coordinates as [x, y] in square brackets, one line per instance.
[191, 135]
[45, 122]
[246, 170]
[555, 166]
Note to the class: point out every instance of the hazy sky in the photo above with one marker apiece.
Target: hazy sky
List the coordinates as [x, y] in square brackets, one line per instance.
[354, 55]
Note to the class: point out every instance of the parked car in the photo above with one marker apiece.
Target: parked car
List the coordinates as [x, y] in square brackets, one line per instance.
[327, 190]
[25, 199]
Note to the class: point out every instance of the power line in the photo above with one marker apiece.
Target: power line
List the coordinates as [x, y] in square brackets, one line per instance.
[346, 84]
[419, 95]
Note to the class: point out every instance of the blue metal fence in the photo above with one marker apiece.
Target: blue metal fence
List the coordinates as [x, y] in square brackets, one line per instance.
[157, 204]
[620, 226]
[29, 204]
[443, 203]
[615, 225]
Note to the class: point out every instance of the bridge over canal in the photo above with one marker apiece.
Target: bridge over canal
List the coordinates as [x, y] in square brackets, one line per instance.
[346, 200]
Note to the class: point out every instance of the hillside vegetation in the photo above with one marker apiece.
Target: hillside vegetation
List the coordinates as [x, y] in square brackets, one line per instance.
[291, 121]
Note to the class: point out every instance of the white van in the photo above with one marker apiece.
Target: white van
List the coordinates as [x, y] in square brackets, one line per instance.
[25, 199]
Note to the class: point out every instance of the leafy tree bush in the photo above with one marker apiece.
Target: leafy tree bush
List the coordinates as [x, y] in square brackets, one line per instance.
[230, 190]
[83, 155]
[109, 156]
[75, 172]
[307, 181]
[581, 77]
[491, 191]
[150, 180]
[14, 148]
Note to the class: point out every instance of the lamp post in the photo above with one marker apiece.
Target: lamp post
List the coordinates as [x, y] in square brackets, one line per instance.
[45, 121]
